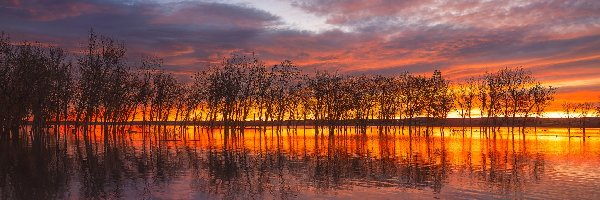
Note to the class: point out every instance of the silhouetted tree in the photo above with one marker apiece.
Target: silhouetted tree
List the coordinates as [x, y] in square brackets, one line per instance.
[584, 110]
[35, 83]
[103, 79]
[413, 91]
[466, 98]
[38, 84]
[438, 97]
[513, 93]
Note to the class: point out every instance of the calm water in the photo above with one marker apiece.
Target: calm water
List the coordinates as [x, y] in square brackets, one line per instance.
[297, 164]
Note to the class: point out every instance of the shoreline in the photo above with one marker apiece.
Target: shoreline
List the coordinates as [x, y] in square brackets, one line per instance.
[590, 122]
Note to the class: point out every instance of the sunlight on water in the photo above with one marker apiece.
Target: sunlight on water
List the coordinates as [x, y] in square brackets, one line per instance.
[195, 163]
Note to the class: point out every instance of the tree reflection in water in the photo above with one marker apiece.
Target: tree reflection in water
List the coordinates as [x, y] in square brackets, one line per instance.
[289, 163]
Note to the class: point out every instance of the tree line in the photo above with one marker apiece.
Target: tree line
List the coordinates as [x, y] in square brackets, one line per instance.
[41, 84]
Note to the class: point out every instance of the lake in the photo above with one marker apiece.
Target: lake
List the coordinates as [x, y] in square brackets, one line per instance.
[297, 163]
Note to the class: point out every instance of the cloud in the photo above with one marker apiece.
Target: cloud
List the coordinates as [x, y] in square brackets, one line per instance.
[38, 10]
[176, 31]
[558, 40]
[484, 15]
[213, 14]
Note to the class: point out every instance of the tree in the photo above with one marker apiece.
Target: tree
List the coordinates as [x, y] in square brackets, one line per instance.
[512, 93]
[38, 84]
[584, 110]
[438, 97]
[103, 79]
[34, 83]
[412, 91]
[283, 78]
[465, 98]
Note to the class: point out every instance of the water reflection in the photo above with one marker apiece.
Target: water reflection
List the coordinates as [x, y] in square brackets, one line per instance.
[257, 163]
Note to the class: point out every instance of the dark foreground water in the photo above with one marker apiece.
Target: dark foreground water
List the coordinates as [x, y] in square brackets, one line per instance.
[297, 164]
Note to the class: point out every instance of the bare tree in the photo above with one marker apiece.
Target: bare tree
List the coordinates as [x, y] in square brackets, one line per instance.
[584, 110]
[535, 100]
[283, 79]
[102, 80]
[413, 95]
[512, 93]
[465, 98]
[40, 84]
[438, 97]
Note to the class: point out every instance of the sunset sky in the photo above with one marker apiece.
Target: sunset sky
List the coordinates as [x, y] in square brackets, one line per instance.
[559, 41]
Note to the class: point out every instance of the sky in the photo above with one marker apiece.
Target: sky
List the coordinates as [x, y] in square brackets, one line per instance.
[559, 41]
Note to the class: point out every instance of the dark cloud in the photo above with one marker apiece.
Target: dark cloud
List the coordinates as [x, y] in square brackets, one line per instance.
[178, 31]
